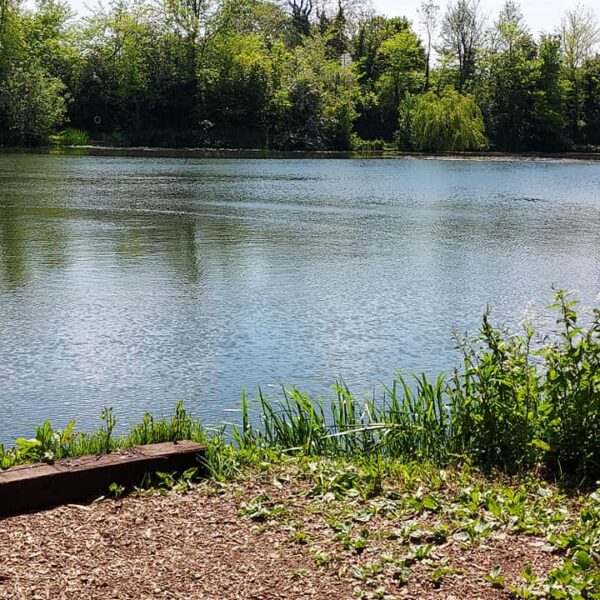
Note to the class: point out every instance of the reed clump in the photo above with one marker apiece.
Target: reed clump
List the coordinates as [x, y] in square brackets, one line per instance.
[71, 137]
[519, 401]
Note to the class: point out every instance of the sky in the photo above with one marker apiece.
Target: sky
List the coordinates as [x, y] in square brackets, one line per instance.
[540, 15]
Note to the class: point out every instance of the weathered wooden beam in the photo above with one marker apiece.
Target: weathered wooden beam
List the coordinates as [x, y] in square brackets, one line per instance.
[36, 486]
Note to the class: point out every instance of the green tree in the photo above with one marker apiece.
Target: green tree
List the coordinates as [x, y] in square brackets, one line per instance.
[403, 62]
[590, 86]
[447, 122]
[32, 94]
[241, 66]
[580, 36]
[365, 48]
[549, 131]
[511, 76]
[10, 34]
[113, 82]
[321, 99]
[300, 11]
[32, 104]
[428, 13]
[462, 34]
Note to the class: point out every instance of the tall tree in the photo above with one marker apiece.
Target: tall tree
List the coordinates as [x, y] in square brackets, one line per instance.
[511, 77]
[591, 104]
[580, 35]
[429, 14]
[550, 119]
[301, 11]
[403, 60]
[462, 33]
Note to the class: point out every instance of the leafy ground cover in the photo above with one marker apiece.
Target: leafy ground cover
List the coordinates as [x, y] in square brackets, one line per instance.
[305, 527]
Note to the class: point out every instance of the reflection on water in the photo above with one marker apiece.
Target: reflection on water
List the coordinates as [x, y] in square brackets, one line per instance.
[137, 282]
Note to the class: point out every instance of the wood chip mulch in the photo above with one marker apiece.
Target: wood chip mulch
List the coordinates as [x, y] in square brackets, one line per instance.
[197, 545]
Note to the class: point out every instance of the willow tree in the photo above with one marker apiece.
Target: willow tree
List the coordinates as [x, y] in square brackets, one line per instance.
[447, 122]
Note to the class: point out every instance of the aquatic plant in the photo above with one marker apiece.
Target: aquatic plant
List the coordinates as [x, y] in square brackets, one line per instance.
[519, 401]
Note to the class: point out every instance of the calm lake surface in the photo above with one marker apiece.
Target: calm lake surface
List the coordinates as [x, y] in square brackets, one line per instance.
[136, 282]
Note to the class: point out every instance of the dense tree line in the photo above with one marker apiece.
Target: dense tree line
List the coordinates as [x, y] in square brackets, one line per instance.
[298, 74]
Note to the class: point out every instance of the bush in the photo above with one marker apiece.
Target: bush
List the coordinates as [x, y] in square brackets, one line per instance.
[32, 104]
[366, 146]
[518, 402]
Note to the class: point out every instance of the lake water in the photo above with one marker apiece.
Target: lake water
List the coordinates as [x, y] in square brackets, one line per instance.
[136, 282]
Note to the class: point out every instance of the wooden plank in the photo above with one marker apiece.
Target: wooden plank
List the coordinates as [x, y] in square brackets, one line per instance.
[40, 485]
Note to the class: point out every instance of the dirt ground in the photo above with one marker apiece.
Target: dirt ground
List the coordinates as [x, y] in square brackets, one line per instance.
[207, 544]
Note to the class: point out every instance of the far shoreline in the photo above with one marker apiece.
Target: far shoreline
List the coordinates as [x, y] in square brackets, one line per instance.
[244, 153]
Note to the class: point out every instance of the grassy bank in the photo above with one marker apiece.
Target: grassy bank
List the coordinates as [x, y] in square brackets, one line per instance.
[492, 467]
[520, 401]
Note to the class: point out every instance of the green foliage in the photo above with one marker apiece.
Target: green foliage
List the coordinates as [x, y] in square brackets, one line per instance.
[31, 104]
[402, 63]
[495, 577]
[446, 122]
[262, 74]
[71, 137]
[549, 110]
[368, 146]
[512, 77]
[35, 57]
[380, 520]
[116, 490]
[319, 106]
[591, 104]
[517, 403]
[47, 445]
[50, 444]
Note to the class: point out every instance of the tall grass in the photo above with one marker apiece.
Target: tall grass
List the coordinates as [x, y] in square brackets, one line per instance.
[71, 137]
[518, 401]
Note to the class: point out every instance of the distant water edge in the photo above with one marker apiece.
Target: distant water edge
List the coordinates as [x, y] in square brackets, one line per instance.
[160, 152]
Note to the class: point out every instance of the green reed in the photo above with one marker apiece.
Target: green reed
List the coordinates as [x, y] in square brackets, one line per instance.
[71, 137]
[519, 400]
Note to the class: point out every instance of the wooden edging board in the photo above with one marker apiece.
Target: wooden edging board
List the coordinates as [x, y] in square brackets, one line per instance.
[35, 486]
